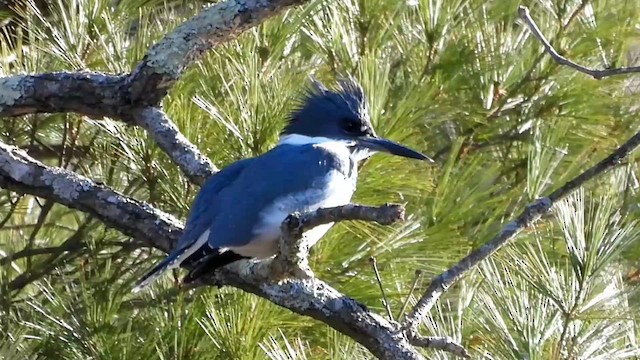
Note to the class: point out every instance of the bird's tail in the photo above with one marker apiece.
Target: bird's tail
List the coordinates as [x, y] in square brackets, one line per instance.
[210, 262]
[168, 263]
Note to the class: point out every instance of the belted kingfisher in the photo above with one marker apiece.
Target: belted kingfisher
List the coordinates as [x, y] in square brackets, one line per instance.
[238, 212]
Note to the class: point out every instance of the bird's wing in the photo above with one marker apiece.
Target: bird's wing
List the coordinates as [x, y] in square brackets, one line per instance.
[203, 212]
[228, 207]
[205, 206]
[284, 170]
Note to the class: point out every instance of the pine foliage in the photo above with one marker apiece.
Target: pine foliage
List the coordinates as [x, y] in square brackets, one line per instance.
[460, 79]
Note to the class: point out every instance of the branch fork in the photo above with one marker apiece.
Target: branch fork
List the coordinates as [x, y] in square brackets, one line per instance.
[292, 258]
[290, 267]
[301, 292]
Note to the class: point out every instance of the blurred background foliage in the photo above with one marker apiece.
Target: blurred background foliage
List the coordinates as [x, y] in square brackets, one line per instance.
[460, 79]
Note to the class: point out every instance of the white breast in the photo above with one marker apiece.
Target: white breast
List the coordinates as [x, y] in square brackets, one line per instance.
[338, 191]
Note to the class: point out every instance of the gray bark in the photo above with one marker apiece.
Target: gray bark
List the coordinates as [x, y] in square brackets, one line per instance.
[133, 98]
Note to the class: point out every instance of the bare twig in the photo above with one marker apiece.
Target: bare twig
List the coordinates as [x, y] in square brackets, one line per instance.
[533, 212]
[385, 300]
[523, 12]
[530, 215]
[42, 217]
[54, 259]
[31, 252]
[384, 215]
[414, 285]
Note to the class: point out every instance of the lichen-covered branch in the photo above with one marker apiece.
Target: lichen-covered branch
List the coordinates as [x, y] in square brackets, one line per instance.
[439, 343]
[312, 297]
[382, 338]
[530, 215]
[100, 95]
[191, 161]
[523, 12]
[309, 296]
[165, 61]
[387, 214]
[129, 97]
[23, 174]
[88, 93]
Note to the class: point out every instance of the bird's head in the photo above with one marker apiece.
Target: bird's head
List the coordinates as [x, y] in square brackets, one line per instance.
[342, 115]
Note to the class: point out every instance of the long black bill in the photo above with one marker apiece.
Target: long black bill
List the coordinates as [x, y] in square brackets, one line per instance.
[391, 147]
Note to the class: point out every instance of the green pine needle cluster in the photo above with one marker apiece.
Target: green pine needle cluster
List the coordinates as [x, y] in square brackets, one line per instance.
[461, 79]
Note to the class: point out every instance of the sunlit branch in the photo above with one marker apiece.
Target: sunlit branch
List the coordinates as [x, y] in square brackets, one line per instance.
[135, 97]
[523, 12]
[530, 215]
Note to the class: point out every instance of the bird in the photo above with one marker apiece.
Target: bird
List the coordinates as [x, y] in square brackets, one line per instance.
[238, 211]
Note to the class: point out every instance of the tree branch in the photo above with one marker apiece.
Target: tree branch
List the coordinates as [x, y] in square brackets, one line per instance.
[292, 259]
[297, 223]
[312, 297]
[88, 93]
[309, 296]
[166, 134]
[523, 12]
[98, 94]
[23, 174]
[165, 61]
[129, 97]
[530, 215]
[439, 343]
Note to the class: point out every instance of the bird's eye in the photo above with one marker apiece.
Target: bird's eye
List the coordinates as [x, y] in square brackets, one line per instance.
[352, 127]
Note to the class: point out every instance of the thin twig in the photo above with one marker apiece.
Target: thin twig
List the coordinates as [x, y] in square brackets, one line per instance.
[530, 215]
[44, 212]
[416, 279]
[55, 258]
[32, 252]
[523, 12]
[12, 209]
[385, 300]
[534, 211]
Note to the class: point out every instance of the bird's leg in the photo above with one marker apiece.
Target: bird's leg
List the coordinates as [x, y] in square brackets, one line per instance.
[292, 260]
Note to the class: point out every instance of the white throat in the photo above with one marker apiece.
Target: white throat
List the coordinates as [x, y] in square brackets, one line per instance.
[357, 153]
[297, 139]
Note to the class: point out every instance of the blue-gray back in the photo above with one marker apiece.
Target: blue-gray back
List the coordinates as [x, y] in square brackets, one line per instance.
[230, 202]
